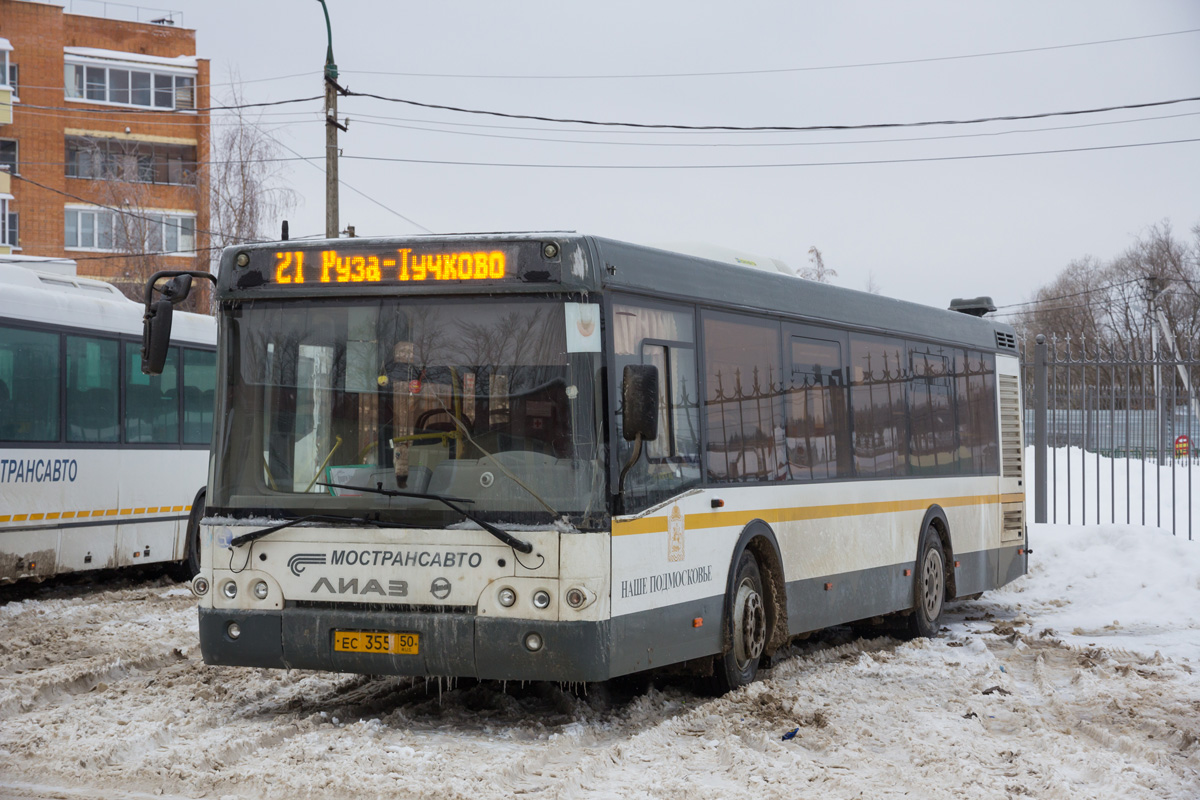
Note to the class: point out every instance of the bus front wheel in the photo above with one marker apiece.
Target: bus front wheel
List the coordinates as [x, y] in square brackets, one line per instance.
[929, 587]
[746, 626]
[189, 567]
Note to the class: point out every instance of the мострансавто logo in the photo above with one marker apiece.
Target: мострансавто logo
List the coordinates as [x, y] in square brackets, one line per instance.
[299, 561]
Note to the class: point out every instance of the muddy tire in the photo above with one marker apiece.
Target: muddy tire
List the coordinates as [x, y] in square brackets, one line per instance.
[746, 627]
[189, 567]
[929, 587]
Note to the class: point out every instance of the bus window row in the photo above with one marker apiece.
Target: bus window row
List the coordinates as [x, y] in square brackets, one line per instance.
[57, 387]
[783, 401]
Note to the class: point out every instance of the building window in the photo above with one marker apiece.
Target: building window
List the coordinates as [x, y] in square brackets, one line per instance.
[5, 73]
[89, 229]
[8, 155]
[129, 86]
[135, 232]
[11, 229]
[135, 162]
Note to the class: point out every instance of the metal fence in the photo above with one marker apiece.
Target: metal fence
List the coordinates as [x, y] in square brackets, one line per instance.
[1113, 433]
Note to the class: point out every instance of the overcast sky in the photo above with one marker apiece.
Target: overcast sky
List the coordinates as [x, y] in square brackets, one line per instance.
[924, 229]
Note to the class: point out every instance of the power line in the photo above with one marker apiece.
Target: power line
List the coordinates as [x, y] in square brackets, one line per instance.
[1077, 294]
[115, 210]
[370, 120]
[361, 121]
[673, 126]
[723, 73]
[348, 186]
[218, 120]
[865, 162]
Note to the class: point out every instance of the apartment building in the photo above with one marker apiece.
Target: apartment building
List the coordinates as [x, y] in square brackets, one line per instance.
[104, 131]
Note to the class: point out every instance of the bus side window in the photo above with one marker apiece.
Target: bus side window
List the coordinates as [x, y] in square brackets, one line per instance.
[29, 368]
[817, 424]
[151, 401]
[665, 338]
[92, 390]
[744, 393]
[878, 379]
[199, 385]
[932, 434]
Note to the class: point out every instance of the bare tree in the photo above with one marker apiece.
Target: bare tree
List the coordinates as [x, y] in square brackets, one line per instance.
[871, 284]
[131, 185]
[244, 181]
[818, 271]
[1109, 303]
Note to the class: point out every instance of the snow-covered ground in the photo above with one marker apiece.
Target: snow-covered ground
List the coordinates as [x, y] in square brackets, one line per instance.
[1078, 681]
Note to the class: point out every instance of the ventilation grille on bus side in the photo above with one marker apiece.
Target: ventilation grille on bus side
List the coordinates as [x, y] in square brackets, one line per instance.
[1014, 522]
[1010, 426]
[1005, 340]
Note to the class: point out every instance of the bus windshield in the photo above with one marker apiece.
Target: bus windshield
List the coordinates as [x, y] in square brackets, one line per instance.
[329, 404]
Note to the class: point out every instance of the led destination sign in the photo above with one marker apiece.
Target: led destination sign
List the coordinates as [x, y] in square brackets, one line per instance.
[403, 265]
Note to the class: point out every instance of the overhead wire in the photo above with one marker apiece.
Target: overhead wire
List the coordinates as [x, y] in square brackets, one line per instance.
[121, 111]
[312, 161]
[863, 126]
[1093, 290]
[115, 209]
[777, 165]
[361, 121]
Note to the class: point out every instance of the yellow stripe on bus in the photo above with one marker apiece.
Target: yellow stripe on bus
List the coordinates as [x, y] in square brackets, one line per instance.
[104, 512]
[720, 519]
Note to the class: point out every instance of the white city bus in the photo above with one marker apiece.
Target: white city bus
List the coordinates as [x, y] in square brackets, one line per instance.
[561, 457]
[100, 465]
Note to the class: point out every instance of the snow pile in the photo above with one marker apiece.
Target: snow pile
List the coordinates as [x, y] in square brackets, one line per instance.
[1118, 587]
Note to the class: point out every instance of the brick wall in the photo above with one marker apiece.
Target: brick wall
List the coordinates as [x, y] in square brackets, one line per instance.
[38, 33]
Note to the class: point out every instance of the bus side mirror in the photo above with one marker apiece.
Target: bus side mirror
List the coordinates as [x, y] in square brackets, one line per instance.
[177, 289]
[156, 337]
[639, 396]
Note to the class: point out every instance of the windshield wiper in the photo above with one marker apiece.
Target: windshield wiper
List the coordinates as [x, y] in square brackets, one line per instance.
[238, 541]
[508, 539]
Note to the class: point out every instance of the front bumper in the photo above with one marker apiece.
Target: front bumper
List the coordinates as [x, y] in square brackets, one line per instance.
[451, 645]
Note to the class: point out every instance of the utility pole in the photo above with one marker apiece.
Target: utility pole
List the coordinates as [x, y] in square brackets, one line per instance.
[1153, 289]
[331, 135]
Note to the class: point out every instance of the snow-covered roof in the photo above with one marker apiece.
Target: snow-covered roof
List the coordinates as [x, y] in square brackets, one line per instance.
[5, 44]
[58, 266]
[179, 62]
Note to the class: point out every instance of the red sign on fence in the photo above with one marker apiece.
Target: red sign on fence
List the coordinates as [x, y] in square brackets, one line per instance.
[1182, 445]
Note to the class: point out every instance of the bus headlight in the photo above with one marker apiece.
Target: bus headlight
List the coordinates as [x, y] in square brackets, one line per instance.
[579, 597]
[541, 599]
[229, 589]
[533, 642]
[507, 597]
[200, 586]
[260, 590]
[234, 630]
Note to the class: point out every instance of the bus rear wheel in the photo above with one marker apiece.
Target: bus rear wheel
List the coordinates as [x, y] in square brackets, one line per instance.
[746, 623]
[929, 587]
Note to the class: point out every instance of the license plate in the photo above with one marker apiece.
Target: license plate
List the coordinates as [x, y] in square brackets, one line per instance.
[371, 642]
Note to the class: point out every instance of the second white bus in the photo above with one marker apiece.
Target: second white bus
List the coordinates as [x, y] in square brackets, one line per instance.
[101, 466]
